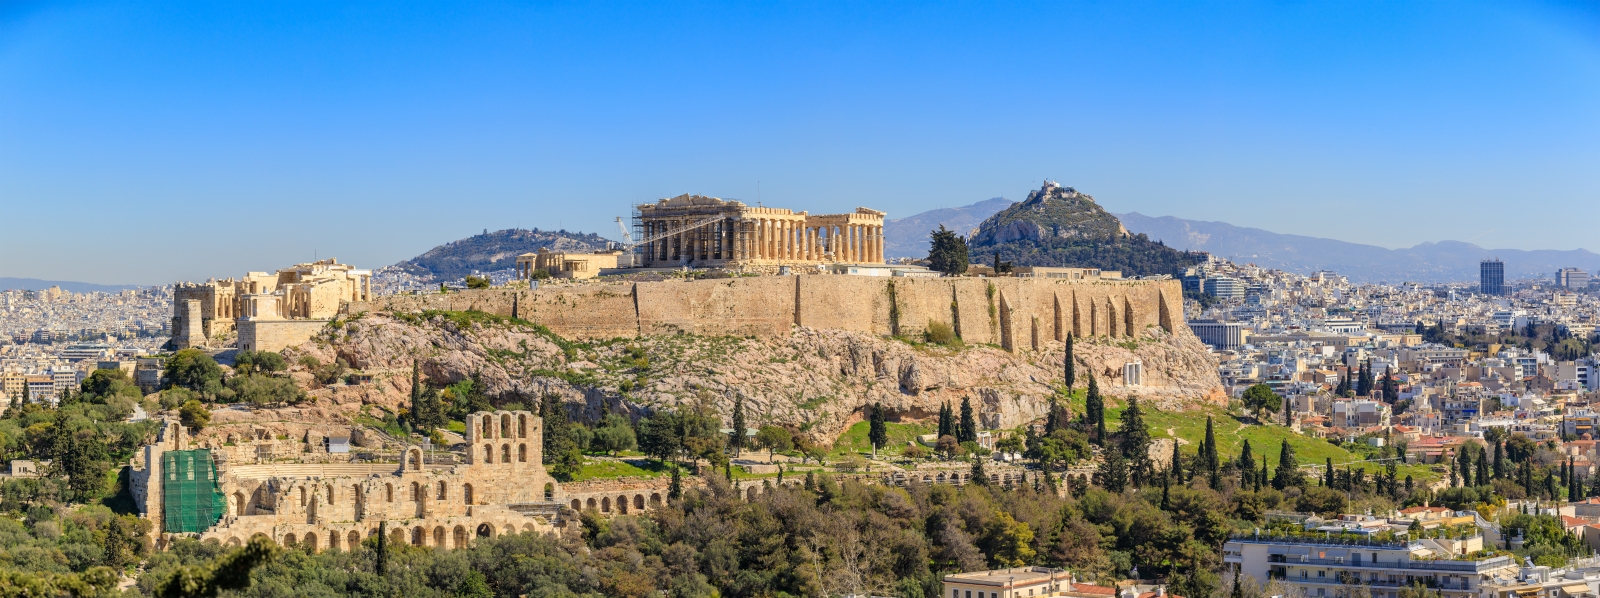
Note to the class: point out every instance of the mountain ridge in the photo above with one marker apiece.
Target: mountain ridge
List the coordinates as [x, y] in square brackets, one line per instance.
[495, 250]
[35, 284]
[1059, 226]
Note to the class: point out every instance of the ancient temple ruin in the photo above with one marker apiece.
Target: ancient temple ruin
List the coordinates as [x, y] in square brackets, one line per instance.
[270, 311]
[700, 231]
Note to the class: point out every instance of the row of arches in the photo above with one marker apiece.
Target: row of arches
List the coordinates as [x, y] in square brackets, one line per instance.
[505, 453]
[458, 536]
[623, 504]
[510, 427]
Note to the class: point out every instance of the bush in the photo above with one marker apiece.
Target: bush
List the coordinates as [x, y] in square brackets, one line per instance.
[539, 274]
[265, 390]
[940, 333]
[915, 451]
[477, 282]
[194, 415]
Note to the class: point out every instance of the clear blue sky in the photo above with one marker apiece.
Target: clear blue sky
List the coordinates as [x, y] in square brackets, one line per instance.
[147, 142]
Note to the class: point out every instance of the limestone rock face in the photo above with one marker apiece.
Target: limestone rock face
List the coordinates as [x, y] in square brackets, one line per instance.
[812, 380]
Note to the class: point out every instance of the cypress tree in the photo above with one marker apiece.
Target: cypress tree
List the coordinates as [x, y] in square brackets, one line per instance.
[1261, 478]
[947, 426]
[1095, 409]
[1070, 375]
[736, 440]
[1466, 467]
[1327, 479]
[1499, 460]
[1481, 473]
[1175, 468]
[877, 428]
[1136, 443]
[1166, 503]
[1247, 466]
[675, 487]
[381, 559]
[1288, 468]
[1209, 449]
[1574, 487]
[416, 385]
[978, 476]
[968, 432]
[1113, 472]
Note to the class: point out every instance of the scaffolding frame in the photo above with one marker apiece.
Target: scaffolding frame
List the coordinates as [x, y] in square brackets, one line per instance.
[191, 498]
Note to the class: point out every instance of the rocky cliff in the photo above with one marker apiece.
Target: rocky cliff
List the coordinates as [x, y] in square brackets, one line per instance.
[813, 380]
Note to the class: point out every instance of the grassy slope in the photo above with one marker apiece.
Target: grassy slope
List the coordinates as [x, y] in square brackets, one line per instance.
[854, 440]
[1231, 433]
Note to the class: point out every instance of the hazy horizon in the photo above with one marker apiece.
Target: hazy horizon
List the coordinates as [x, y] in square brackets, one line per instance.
[152, 142]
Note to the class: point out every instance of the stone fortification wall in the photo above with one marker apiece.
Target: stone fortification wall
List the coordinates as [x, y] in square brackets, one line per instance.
[275, 335]
[1010, 312]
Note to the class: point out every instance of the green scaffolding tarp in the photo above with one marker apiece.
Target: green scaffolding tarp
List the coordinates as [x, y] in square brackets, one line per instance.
[192, 500]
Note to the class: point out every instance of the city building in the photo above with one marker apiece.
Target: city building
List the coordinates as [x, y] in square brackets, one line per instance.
[1219, 335]
[1492, 277]
[700, 231]
[1572, 278]
[1008, 583]
[1224, 287]
[1322, 567]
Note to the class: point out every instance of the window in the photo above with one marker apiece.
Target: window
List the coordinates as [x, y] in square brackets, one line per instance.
[1321, 574]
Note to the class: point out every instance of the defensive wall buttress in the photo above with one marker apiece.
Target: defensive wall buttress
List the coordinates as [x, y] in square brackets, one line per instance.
[1015, 313]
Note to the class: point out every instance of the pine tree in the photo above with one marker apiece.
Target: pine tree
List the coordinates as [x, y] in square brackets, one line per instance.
[1166, 502]
[1069, 364]
[736, 441]
[978, 476]
[1113, 472]
[968, 432]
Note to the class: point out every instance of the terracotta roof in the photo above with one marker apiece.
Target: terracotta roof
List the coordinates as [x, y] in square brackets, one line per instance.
[1571, 522]
[1089, 588]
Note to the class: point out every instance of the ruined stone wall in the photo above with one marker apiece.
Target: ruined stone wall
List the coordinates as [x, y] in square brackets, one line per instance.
[1014, 313]
[760, 306]
[276, 335]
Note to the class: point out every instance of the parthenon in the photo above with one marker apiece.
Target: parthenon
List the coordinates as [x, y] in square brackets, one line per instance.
[707, 231]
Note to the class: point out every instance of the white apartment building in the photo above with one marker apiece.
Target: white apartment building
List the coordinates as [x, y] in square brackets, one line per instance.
[1324, 567]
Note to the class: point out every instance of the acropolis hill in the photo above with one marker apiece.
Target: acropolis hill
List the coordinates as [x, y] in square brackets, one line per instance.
[807, 351]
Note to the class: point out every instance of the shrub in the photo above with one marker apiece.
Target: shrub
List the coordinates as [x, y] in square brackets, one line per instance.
[477, 282]
[940, 333]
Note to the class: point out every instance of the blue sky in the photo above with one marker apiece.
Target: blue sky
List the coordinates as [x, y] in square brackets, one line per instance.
[142, 143]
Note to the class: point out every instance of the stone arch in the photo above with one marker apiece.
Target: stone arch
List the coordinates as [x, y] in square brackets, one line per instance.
[576, 505]
[416, 491]
[752, 493]
[522, 453]
[333, 540]
[414, 458]
[638, 501]
[487, 426]
[927, 479]
[549, 491]
[605, 504]
[442, 495]
[591, 503]
[438, 536]
[488, 453]
[330, 493]
[289, 540]
[418, 536]
[527, 527]
[505, 425]
[505, 453]
[655, 499]
[1129, 318]
[522, 425]
[388, 492]
[354, 538]
[459, 537]
[398, 536]
[234, 541]
[302, 496]
[238, 503]
[510, 530]
[485, 530]
[622, 504]
[258, 535]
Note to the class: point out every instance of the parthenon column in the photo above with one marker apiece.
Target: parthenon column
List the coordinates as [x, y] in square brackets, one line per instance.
[877, 243]
[788, 239]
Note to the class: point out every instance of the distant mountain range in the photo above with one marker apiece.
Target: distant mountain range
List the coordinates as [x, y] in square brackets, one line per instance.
[908, 237]
[1444, 261]
[34, 284]
[495, 250]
